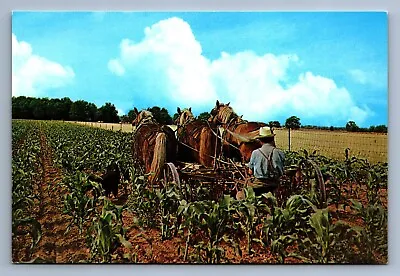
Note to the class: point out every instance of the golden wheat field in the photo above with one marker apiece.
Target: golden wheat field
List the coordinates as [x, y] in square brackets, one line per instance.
[372, 146]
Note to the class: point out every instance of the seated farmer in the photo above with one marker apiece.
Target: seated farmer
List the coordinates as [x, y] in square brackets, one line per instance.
[266, 164]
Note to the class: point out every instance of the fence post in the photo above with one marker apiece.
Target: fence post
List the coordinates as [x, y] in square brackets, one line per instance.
[289, 138]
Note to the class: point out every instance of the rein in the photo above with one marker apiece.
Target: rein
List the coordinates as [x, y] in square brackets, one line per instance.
[205, 154]
[221, 137]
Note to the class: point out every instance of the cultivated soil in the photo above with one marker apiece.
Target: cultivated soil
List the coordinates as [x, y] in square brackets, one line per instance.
[59, 246]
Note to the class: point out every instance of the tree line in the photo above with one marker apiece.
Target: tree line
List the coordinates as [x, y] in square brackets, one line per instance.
[293, 122]
[62, 109]
[68, 110]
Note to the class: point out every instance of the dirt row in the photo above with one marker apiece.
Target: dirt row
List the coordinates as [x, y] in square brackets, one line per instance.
[55, 246]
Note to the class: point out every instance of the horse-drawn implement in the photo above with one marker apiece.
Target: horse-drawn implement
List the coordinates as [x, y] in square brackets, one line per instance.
[207, 157]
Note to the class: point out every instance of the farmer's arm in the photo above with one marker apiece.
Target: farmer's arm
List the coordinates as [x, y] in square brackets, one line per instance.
[278, 159]
[250, 165]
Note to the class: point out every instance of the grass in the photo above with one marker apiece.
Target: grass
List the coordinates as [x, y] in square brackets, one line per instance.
[372, 146]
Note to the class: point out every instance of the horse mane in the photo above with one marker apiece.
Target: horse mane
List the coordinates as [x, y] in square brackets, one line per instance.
[227, 115]
[144, 117]
[182, 119]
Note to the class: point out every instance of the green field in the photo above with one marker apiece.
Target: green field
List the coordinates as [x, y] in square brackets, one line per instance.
[60, 216]
[372, 146]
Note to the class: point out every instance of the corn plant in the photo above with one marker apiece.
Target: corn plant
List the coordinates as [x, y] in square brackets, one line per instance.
[250, 212]
[107, 233]
[26, 168]
[143, 202]
[77, 203]
[211, 218]
[169, 198]
[373, 235]
[285, 225]
[327, 242]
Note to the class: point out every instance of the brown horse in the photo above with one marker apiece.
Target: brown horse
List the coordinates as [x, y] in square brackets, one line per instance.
[198, 141]
[153, 144]
[237, 133]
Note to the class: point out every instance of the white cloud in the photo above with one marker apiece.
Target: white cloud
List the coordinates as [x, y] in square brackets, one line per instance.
[359, 115]
[169, 63]
[371, 78]
[33, 74]
[358, 75]
[116, 67]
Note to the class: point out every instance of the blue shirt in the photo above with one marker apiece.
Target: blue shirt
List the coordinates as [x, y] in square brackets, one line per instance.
[259, 164]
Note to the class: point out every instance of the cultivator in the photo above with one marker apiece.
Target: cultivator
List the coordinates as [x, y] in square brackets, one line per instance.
[231, 177]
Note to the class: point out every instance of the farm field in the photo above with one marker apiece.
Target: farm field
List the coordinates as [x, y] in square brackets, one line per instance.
[371, 146]
[60, 216]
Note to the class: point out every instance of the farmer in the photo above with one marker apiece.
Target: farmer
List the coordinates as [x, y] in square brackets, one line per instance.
[266, 164]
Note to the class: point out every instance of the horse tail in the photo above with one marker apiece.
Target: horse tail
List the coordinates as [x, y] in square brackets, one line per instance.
[159, 157]
[206, 151]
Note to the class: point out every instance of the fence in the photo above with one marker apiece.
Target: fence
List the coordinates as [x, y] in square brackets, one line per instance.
[372, 146]
[109, 126]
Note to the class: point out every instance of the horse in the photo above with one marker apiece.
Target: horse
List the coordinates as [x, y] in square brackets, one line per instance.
[198, 141]
[153, 144]
[237, 133]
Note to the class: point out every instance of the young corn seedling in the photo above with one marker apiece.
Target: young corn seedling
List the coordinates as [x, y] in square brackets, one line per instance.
[285, 225]
[250, 211]
[76, 203]
[373, 235]
[107, 233]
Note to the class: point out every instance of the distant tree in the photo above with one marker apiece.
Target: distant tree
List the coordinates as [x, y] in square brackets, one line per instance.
[274, 124]
[64, 106]
[108, 113]
[352, 126]
[161, 115]
[293, 122]
[131, 115]
[371, 129]
[83, 111]
[40, 108]
[331, 128]
[381, 128]
[125, 119]
[176, 115]
[204, 116]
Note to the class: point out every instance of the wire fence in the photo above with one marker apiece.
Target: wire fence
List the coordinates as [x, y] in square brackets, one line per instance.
[371, 146]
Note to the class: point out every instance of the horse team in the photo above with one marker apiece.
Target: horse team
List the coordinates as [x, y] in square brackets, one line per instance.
[225, 134]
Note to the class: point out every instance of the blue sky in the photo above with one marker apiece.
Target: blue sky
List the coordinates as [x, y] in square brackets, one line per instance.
[326, 68]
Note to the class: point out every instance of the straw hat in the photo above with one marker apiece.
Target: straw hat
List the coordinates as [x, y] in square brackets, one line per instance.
[265, 132]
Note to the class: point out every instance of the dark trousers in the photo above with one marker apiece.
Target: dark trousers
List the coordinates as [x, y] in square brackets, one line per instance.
[263, 186]
[264, 190]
